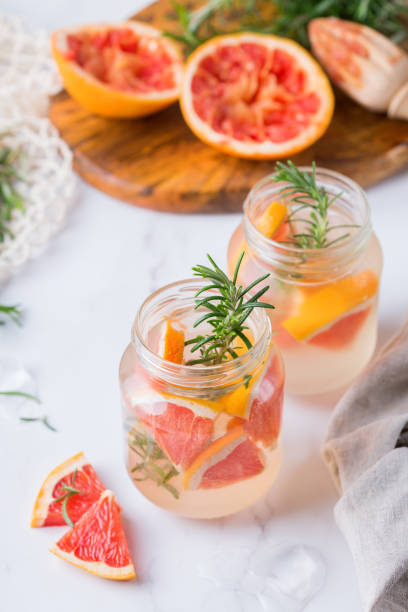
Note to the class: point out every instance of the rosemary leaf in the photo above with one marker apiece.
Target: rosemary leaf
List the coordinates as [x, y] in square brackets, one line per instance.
[227, 313]
[302, 187]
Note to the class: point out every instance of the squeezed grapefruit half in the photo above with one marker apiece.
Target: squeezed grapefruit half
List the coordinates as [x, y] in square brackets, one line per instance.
[126, 69]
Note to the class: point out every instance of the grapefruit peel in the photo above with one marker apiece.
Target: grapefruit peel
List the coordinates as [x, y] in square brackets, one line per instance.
[172, 343]
[321, 308]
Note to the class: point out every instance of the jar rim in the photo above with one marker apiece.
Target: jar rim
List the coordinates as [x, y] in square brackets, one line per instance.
[192, 375]
[290, 249]
[313, 264]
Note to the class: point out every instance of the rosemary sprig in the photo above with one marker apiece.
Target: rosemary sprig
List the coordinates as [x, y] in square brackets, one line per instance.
[33, 398]
[12, 312]
[10, 199]
[215, 17]
[154, 464]
[70, 490]
[284, 17]
[302, 188]
[21, 394]
[226, 314]
[382, 15]
[43, 420]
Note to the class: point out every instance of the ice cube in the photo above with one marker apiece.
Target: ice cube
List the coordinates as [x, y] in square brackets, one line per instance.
[271, 577]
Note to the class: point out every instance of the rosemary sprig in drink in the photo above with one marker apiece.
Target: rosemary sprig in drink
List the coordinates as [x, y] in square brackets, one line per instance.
[226, 314]
[154, 464]
[302, 188]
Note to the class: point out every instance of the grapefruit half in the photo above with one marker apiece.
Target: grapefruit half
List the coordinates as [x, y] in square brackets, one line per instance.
[97, 542]
[126, 69]
[255, 96]
[75, 472]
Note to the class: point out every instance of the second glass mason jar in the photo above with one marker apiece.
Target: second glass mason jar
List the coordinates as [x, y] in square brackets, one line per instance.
[201, 441]
[325, 317]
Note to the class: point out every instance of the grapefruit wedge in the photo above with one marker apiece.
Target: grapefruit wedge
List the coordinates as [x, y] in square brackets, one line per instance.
[229, 459]
[255, 96]
[179, 432]
[271, 223]
[97, 543]
[126, 69]
[75, 473]
[171, 344]
[331, 316]
[265, 414]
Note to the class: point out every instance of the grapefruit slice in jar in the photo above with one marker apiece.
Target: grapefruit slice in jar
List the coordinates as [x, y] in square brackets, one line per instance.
[127, 69]
[255, 96]
[76, 473]
[229, 459]
[171, 342]
[331, 316]
[178, 431]
[265, 412]
[97, 542]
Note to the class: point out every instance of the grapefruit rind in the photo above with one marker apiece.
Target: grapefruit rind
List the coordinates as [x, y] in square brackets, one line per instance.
[266, 149]
[271, 219]
[40, 510]
[98, 568]
[172, 343]
[318, 310]
[106, 101]
[214, 453]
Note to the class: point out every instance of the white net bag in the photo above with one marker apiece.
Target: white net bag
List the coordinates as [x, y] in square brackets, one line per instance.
[28, 77]
[47, 191]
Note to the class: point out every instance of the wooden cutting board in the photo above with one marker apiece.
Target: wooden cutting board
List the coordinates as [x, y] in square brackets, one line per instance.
[158, 163]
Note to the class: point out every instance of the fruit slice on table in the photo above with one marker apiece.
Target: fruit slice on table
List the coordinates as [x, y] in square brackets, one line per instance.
[229, 459]
[97, 542]
[331, 316]
[179, 432]
[171, 345]
[75, 473]
[255, 96]
[127, 69]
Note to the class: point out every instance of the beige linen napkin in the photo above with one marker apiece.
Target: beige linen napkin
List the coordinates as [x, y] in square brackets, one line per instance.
[366, 450]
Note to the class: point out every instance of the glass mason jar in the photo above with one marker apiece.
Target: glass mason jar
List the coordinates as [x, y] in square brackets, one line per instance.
[201, 441]
[325, 317]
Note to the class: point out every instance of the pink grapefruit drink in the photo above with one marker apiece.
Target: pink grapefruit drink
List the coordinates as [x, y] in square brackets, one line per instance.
[201, 440]
[325, 317]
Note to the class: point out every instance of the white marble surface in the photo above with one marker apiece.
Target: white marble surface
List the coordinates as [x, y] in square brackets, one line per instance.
[79, 300]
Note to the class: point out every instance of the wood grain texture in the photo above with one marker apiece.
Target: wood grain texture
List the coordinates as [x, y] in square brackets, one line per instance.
[158, 163]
